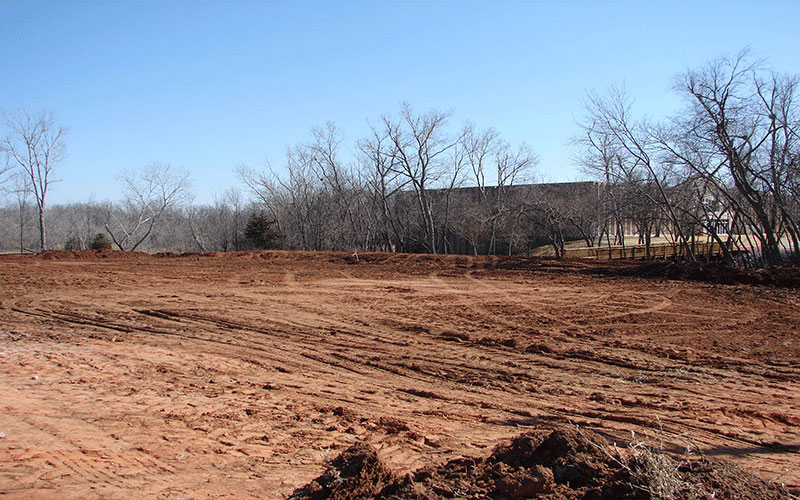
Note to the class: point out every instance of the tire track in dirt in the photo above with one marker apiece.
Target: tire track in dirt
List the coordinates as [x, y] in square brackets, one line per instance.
[75, 458]
[250, 345]
[661, 306]
[433, 379]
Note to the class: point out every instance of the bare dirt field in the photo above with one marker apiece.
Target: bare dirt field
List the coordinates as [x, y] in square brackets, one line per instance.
[242, 375]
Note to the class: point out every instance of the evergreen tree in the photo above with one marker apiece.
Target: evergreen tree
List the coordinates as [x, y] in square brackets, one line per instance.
[260, 233]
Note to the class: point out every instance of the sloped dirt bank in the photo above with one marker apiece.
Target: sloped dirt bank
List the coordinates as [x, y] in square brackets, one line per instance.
[711, 272]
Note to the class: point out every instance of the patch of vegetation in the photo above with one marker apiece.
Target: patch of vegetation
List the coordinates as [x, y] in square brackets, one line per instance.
[100, 242]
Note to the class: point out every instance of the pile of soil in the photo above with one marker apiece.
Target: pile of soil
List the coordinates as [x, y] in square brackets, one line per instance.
[105, 253]
[357, 473]
[567, 463]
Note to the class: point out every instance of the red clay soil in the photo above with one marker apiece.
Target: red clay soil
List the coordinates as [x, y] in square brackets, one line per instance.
[244, 375]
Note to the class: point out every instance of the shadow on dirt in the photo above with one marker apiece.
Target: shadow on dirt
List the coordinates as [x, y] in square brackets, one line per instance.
[712, 272]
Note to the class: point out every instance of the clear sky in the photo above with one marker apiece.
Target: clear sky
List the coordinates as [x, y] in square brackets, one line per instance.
[210, 85]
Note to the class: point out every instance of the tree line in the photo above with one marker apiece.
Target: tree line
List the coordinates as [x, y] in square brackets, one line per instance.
[727, 165]
[723, 168]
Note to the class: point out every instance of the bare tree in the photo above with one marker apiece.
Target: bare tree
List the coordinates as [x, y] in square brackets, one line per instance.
[546, 210]
[480, 215]
[150, 192]
[35, 144]
[341, 190]
[6, 171]
[629, 150]
[496, 169]
[726, 165]
[420, 144]
[585, 212]
[380, 175]
[596, 154]
[74, 225]
[295, 201]
[218, 227]
[735, 150]
[21, 189]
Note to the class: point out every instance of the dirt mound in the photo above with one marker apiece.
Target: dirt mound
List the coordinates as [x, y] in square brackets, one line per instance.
[89, 254]
[567, 463]
[108, 253]
[574, 458]
[356, 474]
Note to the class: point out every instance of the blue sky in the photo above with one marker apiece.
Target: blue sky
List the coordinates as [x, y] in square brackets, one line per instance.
[210, 85]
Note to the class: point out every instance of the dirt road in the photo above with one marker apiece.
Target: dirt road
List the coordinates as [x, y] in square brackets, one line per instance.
[239, 375]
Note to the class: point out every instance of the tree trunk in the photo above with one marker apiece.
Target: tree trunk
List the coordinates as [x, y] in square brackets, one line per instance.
[42, 232]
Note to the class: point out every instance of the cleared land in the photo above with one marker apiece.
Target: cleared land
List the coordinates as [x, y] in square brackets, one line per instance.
[240, 375]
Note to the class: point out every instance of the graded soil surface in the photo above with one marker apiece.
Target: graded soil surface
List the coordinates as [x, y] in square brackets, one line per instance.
[243, 375]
